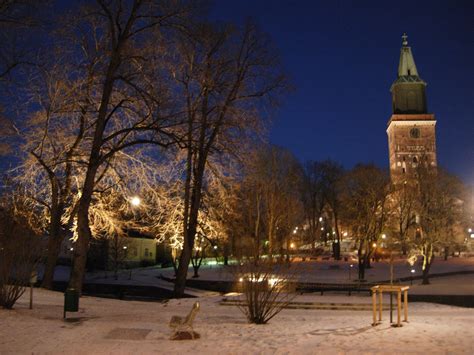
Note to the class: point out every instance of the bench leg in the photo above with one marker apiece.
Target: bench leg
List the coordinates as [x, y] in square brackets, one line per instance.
[380, 305]
[374, 308]
[399, 308]
[405, 305]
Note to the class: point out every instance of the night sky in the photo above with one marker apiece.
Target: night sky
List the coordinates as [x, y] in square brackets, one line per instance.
[342, 57]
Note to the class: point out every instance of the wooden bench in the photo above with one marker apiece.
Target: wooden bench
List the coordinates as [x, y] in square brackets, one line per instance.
[180, 324]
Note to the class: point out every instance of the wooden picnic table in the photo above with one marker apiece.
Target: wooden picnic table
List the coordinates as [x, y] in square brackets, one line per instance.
[380, 289]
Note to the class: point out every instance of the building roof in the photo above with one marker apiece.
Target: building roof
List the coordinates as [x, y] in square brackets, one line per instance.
[407, 72]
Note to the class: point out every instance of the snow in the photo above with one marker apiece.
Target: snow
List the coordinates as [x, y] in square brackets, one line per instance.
[123, 327]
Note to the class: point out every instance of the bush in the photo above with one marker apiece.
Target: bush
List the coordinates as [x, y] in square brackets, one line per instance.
[19, 256]
[267, 287]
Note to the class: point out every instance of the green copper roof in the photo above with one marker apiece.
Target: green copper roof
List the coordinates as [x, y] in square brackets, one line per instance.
[407, 72]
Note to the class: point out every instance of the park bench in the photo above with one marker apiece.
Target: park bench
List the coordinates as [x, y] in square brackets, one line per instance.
[180, 324]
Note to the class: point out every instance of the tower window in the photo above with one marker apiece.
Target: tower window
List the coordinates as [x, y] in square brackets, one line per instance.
[415, 160]
[409, 72]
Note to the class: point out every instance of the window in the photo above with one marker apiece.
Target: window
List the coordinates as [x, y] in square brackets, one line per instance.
[403, 170]
[415, 160]
[146, 252]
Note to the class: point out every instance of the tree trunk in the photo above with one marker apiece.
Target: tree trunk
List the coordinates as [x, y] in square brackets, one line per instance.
[337, 248]
[426, 271]
[54, 247]
[81, 246]
[186, 254]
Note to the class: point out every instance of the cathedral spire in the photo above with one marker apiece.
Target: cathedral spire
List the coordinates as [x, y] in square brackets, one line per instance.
[408, 89]
[406, 66]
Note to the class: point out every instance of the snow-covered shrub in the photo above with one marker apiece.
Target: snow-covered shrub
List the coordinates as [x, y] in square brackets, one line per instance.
[266, 288]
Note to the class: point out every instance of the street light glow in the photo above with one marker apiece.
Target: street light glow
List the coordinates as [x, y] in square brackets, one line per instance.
[135, 201]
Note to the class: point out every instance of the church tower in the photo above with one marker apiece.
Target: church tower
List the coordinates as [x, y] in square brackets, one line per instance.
[411, 129]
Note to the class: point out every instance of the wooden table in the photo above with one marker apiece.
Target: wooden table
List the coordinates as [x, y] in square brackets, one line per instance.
[380, 289]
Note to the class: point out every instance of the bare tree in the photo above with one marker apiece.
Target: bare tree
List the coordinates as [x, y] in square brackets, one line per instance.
[439, 207]
[270, 200]
[224, 74]
[366, 188]
[402, 219]
[53, 152]
[332, 175]
[20, 246]
[267, 288]
[130, 103]
[313, 200]
[19, 21]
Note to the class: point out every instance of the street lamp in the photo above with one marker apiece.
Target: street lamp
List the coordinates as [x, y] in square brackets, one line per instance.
[135, 201]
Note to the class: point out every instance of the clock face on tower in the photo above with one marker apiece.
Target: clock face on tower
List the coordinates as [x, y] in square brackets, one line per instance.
[414, 133]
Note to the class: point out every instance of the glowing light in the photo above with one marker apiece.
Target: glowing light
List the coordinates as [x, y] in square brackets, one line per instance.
[344, 234]
[322, 228]
[125, 247]
[135, 201]
[320, 219]
[215, 247]
[472, 235]
[374, 245]
[352, 265]
[292, 245]
[384, 236]
[469, 230]
[71, 249]
[412, 271]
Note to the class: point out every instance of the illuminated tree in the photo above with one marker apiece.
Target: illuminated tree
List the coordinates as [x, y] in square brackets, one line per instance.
[119, 47]
[439, 207]
[224, 74]
[402, 215]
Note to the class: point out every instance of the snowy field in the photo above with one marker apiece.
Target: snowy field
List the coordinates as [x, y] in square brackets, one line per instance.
[106, 326]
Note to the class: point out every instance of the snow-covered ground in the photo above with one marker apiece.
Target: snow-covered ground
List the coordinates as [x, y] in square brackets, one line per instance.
[122, 327]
